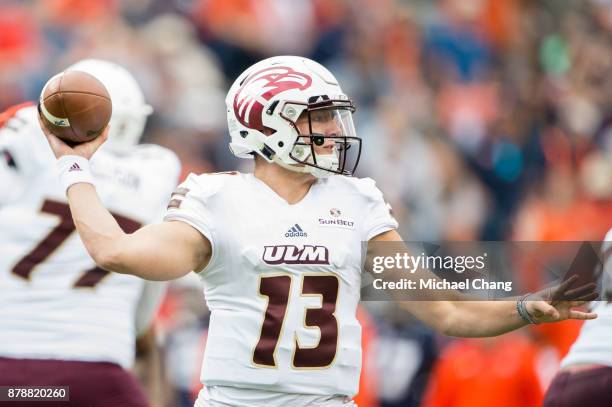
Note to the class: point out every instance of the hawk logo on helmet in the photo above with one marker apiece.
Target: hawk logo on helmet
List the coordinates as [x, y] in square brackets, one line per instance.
[262, 86]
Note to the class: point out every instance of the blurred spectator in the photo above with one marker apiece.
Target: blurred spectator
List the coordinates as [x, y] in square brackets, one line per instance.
[404, 354]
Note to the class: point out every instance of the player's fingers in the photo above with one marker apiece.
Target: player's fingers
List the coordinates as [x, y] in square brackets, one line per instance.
[88, 149]
[101, 138]
[58, 146]
[580, 291]
[582, 315]
[561, 288]
[583, 295]
[41, 123]
[578, 303]
[588, 297]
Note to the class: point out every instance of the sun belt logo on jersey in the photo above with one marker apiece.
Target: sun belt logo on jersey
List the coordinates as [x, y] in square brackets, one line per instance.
[289, 254]
[262, 86]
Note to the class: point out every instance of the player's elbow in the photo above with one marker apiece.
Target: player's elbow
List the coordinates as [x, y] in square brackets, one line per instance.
[452, 321]
[107, 258]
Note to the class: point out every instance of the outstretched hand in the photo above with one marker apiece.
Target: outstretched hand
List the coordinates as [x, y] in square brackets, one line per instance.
[556, 303]
[61, 148]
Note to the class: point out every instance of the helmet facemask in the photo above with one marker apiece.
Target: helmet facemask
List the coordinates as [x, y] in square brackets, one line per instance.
[326, 141]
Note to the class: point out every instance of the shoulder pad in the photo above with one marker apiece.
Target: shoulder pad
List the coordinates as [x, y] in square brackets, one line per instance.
[162, 154]
[365, 187]
[154, 152]
[22, 135]
[204, 186]
[20, 111]
[23, 119]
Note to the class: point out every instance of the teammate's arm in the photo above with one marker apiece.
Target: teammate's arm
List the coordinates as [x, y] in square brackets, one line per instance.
[149, 362]
[148, 367]
[452, 314]
[155, 252]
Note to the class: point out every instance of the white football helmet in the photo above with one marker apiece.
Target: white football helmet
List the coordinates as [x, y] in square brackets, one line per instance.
[291, 111]
[129, 108]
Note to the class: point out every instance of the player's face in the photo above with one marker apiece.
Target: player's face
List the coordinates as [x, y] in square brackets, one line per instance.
[326, 123]
[325, 137]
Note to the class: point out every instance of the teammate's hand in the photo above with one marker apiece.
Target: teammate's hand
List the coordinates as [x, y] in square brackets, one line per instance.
[60, 148]
[557, 303]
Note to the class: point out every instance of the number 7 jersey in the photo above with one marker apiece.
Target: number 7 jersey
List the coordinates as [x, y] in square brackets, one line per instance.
[283, 282]
[54, 302]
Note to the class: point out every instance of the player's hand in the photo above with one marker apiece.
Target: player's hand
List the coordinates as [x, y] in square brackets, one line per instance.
[60, 148]
[558, 303]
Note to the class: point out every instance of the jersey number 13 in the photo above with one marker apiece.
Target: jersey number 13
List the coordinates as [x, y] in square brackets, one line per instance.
[277, 289]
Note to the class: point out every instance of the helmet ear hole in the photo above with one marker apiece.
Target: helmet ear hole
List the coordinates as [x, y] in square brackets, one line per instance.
[268, 131]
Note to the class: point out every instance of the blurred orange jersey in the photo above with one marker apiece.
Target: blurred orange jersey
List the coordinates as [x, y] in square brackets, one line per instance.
[368, 381]
[485, 372]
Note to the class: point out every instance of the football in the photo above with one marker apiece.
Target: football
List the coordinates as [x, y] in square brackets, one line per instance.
[75, 106]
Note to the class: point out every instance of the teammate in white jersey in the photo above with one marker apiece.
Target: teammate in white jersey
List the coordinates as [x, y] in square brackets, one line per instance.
[279, 250]
[586, 372]
[55, 303]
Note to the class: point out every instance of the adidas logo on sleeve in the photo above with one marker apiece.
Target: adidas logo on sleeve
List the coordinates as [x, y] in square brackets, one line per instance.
[296, 231]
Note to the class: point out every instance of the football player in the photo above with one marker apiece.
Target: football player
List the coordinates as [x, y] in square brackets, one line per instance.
[586, 371]
[278, 250]
[63, 320]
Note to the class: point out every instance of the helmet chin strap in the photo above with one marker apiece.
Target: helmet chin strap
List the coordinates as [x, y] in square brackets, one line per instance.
[324, 161]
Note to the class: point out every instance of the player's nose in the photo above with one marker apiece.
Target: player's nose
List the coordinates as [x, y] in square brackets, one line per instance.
[332, 129]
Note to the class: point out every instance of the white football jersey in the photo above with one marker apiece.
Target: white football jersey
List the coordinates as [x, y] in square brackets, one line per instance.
[54, 302]
[594, 344]
[284, 280]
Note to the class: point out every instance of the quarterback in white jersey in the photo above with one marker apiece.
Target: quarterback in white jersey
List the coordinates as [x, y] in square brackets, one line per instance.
[283, 286]
[56, 304]
[586, 371]
[280, 250]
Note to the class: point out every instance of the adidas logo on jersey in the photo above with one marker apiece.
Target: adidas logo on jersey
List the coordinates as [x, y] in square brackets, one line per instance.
[296, 231]
[74, 167]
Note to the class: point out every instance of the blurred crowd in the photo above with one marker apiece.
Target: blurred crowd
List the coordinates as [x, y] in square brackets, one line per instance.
[481, 120]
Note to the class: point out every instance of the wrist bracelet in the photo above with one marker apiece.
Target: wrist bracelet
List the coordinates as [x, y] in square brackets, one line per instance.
[73, 169]
[522, 310]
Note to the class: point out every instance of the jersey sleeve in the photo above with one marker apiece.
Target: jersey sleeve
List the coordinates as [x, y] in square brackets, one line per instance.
[378, 216]
[191, 203]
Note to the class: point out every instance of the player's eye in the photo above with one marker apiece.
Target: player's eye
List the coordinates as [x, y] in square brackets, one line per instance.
[321, 116]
